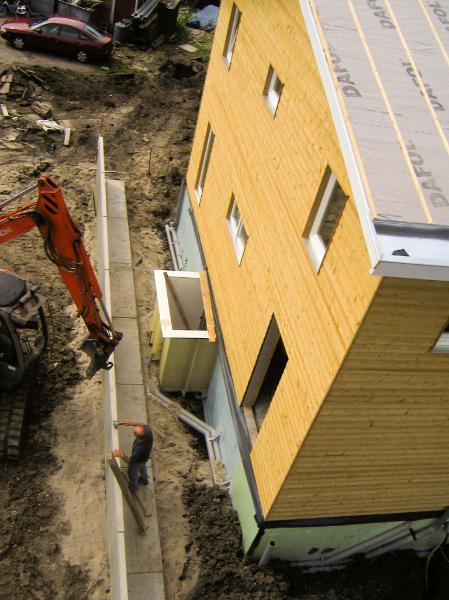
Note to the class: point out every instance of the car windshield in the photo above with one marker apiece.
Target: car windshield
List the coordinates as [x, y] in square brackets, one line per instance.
[36, 24]
[93, 32]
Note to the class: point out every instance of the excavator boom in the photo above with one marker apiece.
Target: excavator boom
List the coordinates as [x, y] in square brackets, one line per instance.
[64, 247]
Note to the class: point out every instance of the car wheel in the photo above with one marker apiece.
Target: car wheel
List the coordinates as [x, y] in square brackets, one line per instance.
[18, 42]
[81, 56]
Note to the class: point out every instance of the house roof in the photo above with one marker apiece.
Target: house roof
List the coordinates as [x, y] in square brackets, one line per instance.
[385, 69]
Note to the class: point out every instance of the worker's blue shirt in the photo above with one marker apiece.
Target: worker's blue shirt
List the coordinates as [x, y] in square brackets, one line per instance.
[142, 447]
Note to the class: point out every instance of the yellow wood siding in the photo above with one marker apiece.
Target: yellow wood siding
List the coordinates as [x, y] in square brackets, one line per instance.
[381, 441]
[274, 167]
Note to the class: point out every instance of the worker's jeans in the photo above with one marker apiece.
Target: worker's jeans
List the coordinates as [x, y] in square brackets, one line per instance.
[137, 473]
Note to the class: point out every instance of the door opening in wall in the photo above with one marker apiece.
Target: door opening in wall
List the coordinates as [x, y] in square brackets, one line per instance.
[267, 374]
[270, 383]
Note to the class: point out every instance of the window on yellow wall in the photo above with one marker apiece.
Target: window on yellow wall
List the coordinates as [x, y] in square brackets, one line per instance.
[231, 36]
[442, 343]
[204, 163]
[329, 207]
[272, 90]
[237, 230]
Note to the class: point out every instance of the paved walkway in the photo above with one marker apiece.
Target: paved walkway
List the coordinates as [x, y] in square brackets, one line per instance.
[143, 553]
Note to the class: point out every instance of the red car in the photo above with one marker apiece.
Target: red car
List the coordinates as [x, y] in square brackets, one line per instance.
[63, 35]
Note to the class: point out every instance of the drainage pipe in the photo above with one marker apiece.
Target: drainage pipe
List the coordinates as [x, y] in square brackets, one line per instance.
[210, 434]
[267, 554]
[168, 233]
[176, 247]
[412, 536]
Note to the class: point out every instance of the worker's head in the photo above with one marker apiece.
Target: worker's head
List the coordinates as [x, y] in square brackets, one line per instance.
[138, 430]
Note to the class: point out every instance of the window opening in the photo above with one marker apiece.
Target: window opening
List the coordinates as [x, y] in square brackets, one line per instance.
[204, 163]
[237, 230]
[331, 202]
[442, 344]
[231, 36]
[273, 90]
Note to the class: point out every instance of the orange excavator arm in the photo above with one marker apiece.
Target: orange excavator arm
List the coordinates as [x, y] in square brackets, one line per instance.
[64, 247]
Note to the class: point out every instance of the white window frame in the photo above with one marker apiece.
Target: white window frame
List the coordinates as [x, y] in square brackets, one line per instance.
[231, 36]
[442, 344]
[316, 247]
[204, 163]
[237, 231]
[271, 92]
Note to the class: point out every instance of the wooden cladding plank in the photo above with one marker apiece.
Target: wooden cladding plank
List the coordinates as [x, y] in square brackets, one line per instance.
[274, 167]
[381, 440]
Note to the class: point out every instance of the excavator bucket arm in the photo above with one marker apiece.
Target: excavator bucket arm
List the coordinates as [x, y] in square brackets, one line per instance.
[64, 247]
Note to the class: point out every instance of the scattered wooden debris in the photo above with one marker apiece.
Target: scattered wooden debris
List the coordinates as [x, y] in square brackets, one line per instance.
[26, 86]
[17, 82]
[43, 109]
[15, 146]
[67, 137]
[5, 89]
[49, 125]
[10, 135]
[188, 48]
[32, 75]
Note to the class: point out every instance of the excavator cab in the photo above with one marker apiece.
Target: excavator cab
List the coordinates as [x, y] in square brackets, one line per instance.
[23, 328]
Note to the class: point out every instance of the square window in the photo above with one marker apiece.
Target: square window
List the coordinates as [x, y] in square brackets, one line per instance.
[331, 201]
[231, 36]
[237, 230]
[273, 90]
[442, 344]
[204, 163]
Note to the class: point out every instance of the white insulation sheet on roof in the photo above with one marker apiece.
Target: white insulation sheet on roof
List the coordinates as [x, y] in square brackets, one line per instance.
[390, 63]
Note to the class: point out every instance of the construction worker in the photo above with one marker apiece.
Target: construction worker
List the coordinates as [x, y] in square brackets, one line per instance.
[140, 453]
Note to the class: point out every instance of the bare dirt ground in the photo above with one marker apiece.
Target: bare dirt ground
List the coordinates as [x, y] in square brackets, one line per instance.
[52, 539]
[52, 525]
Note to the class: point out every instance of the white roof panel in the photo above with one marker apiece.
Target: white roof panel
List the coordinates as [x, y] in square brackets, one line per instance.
[389, 61]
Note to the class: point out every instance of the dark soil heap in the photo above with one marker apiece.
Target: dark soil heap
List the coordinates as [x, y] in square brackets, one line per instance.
[227, 574]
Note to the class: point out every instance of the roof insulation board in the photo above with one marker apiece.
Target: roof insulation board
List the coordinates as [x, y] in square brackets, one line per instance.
[389, 61]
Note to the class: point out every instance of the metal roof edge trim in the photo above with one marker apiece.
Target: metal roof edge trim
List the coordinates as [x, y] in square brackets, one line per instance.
[407, 268]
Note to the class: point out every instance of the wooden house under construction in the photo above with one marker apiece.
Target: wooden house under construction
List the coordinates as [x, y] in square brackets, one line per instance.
[317, 201]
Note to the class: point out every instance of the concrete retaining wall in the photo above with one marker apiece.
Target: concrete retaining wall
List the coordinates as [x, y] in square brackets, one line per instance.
[114, 500]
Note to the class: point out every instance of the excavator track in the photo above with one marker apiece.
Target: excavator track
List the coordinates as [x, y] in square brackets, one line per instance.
[12, 415]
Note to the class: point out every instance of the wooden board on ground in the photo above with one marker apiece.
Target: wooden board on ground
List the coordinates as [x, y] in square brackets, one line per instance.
[67, 136]
[127, 494]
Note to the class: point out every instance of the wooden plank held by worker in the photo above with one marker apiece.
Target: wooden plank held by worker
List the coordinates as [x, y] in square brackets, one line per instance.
[127, 494]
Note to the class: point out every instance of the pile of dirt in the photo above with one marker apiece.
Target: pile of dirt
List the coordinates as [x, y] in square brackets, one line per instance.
[77, 91]
[225, 573]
